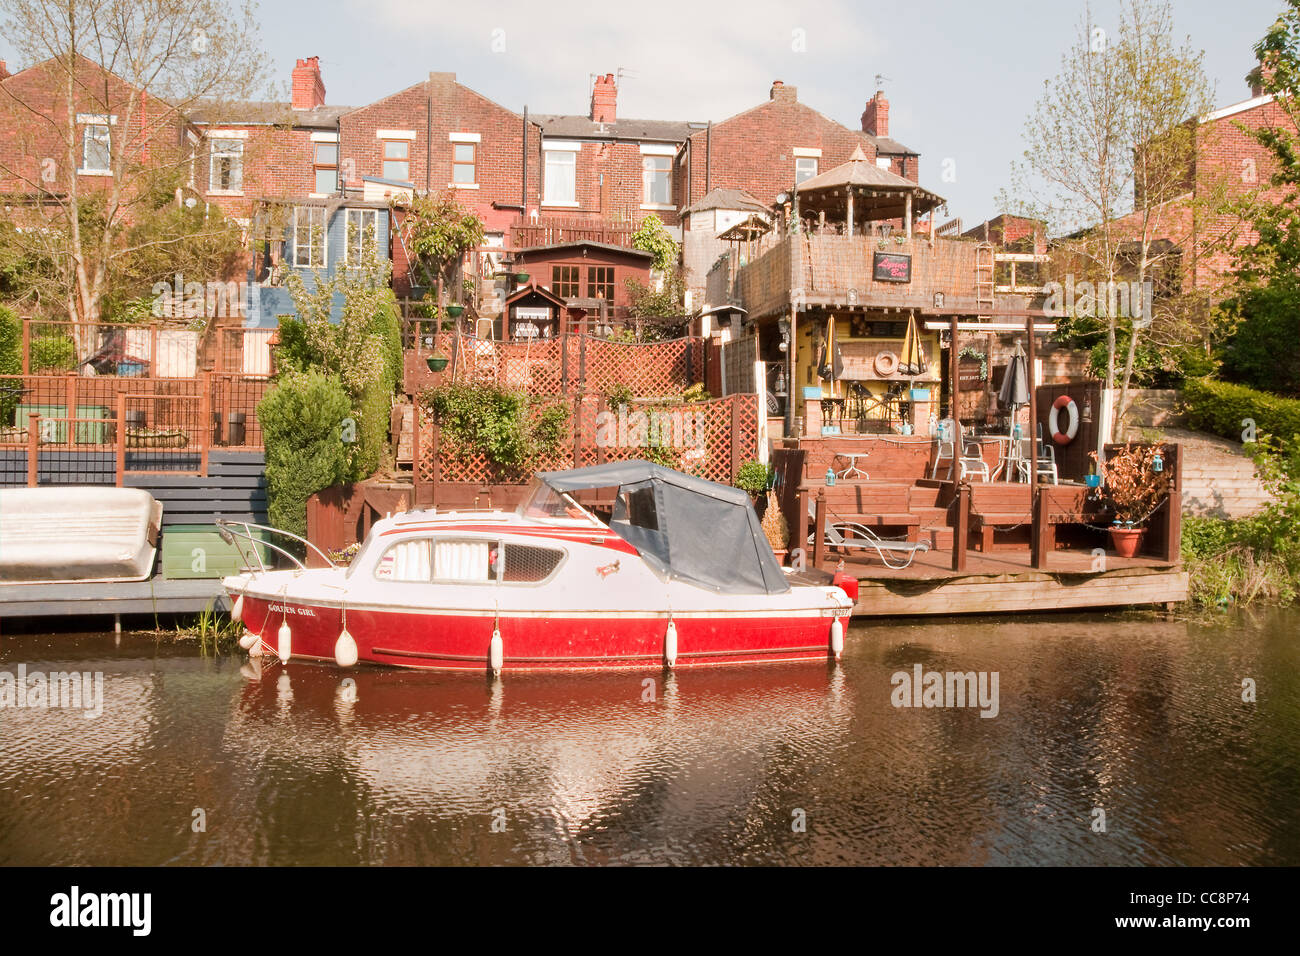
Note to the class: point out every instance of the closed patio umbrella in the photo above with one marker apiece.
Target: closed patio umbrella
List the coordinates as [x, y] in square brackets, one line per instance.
[912, 360]
[831, 365]
[1014, 393]
[1015, 384]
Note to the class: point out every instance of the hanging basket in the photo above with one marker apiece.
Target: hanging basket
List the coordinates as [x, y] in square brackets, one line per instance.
[455, 311]
[436, 363]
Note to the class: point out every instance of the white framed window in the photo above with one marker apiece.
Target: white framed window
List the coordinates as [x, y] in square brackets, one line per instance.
[96, 149]
[884, 162]
[362, 236]
[325, 167]
[309, 236]
[561, 176]
[805, 167]
[464, 159]
[397, 160]
[226, 166]
[657, 180]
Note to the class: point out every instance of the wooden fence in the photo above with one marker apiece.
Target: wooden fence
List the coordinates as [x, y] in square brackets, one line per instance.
[570, 363]
[708, 439]
[142, 350]
[62, 426]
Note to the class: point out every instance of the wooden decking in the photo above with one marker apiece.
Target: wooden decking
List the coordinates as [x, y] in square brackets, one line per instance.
[74, 598]
[1003, 582]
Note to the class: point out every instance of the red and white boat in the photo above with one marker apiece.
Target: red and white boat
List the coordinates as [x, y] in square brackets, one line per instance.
[681, 575]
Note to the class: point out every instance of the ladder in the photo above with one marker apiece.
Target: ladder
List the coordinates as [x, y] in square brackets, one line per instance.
[984, 278]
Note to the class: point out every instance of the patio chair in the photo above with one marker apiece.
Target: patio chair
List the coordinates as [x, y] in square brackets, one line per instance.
[894, 554]
[972, 462]
[1045, 461]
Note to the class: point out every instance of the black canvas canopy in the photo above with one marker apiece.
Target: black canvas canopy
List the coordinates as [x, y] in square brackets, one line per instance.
[693, 529]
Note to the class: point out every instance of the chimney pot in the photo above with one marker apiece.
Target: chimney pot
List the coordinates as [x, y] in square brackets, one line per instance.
[875, 118]
[308, 87]
[780, 91]
[604, 99]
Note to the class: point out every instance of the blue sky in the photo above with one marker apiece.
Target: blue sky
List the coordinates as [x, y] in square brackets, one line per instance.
[963, 76]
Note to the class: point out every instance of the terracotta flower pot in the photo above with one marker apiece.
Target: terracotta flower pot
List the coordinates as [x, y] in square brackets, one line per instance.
[1126, 541]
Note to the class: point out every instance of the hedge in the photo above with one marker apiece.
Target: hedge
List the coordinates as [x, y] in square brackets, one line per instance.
[1222, 408]
[302, 420]
[11, 359]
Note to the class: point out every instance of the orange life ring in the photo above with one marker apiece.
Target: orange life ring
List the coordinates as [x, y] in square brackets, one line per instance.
[1054, 417]
[886, 363]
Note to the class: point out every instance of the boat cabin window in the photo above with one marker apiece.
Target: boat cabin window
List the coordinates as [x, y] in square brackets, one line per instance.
[545, 502]
[636, 506]
[463, 561]
[525, 564]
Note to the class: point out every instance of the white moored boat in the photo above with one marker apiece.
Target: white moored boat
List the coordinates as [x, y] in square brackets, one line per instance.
[680, 575]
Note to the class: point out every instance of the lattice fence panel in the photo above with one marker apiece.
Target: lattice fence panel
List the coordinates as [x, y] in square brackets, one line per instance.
[702, 438]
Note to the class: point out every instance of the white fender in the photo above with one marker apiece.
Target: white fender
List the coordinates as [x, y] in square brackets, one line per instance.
[248, 640]
[345, 649]
[496, 652]
[837, 638]
[284, 642]
[670, 644]
[258, 647]
[237, 611]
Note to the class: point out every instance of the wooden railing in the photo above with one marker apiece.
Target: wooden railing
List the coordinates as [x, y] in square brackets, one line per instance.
[526, 234]
[831, 270]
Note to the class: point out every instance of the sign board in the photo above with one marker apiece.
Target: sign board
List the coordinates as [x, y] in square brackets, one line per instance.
[891, 267]
[528, 322]
[968, 376]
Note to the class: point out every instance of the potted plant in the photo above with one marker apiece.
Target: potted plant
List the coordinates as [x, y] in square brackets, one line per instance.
[776, 529]
[753, 477]
[437, 361]
[1136, 484]
[521, 278]
[455, 311]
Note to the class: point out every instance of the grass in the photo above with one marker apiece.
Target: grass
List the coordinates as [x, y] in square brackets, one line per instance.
[1226, 568]
[214, 630]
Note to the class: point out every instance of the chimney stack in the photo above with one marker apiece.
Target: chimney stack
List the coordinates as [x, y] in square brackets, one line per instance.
[4, 71]
[780, 91]
[1256, 78]
[875, 118]
[308, 87]
[604, 100]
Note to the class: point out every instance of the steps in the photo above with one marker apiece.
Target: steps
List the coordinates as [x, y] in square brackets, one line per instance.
[1219, 480]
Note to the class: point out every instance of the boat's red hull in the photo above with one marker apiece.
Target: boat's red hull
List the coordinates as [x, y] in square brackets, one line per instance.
[435, 640]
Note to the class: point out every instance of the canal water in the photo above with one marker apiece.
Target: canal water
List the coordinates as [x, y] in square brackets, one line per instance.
[1117, 739]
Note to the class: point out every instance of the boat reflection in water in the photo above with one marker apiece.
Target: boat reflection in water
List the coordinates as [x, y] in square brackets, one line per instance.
[539, 755]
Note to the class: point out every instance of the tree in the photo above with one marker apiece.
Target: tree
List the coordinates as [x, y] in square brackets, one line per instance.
[652, 236]
[1095, 172]
[143, 65]
[437, 232]
[648, 307]
[362, 351]
[1263, 305]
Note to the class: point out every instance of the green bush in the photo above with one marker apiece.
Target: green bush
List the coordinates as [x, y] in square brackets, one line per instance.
[53, 353]
[1223, 409]
[511, 429]
[11, 359]
[753, 477]
[302, 418]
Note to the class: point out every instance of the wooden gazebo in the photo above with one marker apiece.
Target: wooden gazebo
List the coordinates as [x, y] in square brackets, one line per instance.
[859, 191]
